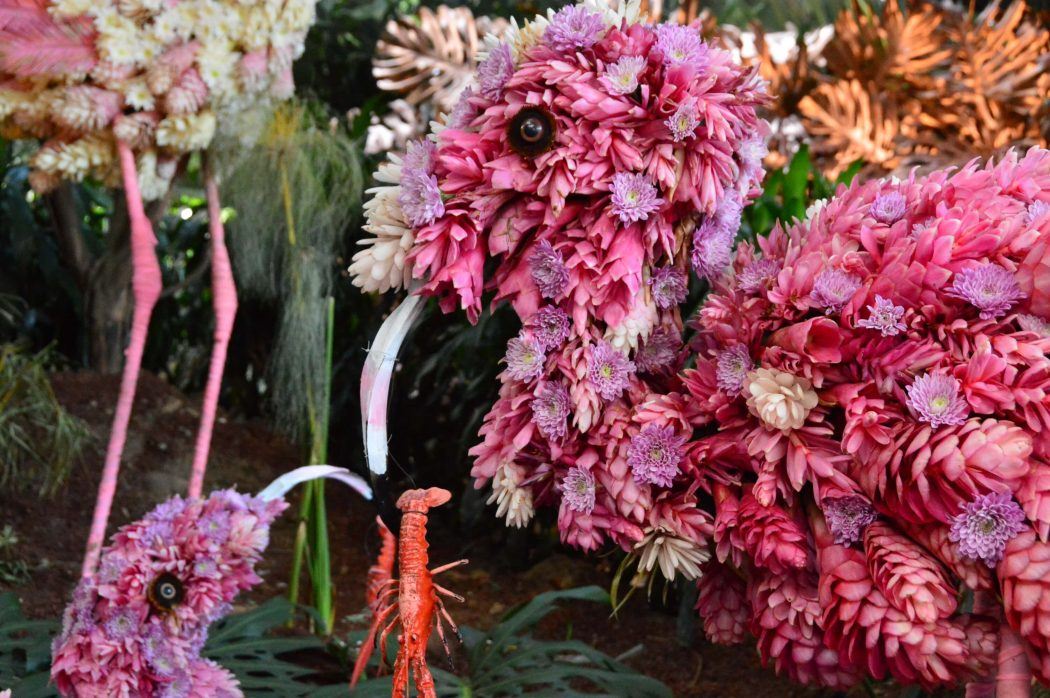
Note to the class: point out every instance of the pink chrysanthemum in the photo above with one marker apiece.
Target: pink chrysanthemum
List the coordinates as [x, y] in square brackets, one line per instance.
[610, 371]
[669, 287]
[549, 326]
[659, 352]
[934, 398]
[889, 208]
[525, 359]
[420, 198]
[885, 317]
[732, 366]
[550, 409]
[758, 274]
[654, 455]
[712, 250]
[847, 517]
[573, 27]
[833, 288]
[495, 71]
[752, 153]
[990, 288]
[463, 112]
[419, 156]
[621, 77]
[578, 490]
[681, 45]
[548, 270]
[683, 122]
[634, 197]
[986, 525]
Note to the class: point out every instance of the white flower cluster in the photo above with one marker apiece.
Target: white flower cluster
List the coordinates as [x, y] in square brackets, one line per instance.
[164, 74]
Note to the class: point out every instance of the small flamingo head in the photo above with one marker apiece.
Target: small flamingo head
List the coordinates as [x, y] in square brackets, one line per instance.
[422, 500]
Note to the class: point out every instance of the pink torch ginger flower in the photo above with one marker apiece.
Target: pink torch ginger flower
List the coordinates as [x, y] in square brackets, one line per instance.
[681, 45]
[833, 289]
[495, 71]
[573, 27]
[758, 274]
[659, 351]
[669, 287]
[986, 525]
[934, 398]
[610, 371]
[550, 409]
[548, 270]
[712, 250]
[990, 288]
[634, 197]
[578, 490]
[1032, 323]
[654, 455]
[888, 208]
[622, 76]
[885, 317]
[847, 517]
[733, 365]
[525, 359]
[549, 326]
[683, 122]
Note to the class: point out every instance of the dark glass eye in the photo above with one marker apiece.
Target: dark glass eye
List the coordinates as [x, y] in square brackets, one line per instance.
[531, 132]
[166, 592]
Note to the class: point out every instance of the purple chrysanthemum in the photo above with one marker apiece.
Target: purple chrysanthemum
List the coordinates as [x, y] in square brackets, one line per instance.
[681, 45]
[935, 399]
[179, 687]
[1035, 211]
[464, 111]
[669, 287]
[847, 517]
[495, 71]
[419, 156]
[158, 533]
[525, 359]
[420, 198]
[205, 568]
[729, 213]
[215, 526]
[549, 326]
[550, 409]
[548, 270]
[731, 368]
[885, 317]
[110, 569]
[834, 288]
[1034, 324]
[122, 624]
[990, 288]
[758, 274]
[158, 652]
[683, 122]
[889, 208]
[659, 351]
[610, 371]
[712, 250]
[634, 197]
[752, 153]
[654, 455]
[578, 490]
[986, 525]
[621, 77]
[572, 28]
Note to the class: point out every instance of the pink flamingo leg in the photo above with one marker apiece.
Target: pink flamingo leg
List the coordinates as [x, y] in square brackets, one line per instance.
[145, 285]
[985, 604]
[224, 293]
[1014, 677]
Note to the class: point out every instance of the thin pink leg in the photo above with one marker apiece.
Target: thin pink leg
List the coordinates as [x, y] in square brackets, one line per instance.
[985, 604]
[1014, 678]
[145, 285]
[224, 293]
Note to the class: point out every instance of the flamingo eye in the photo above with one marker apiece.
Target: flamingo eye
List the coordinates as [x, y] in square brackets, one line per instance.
[531, 132]
[166, 592]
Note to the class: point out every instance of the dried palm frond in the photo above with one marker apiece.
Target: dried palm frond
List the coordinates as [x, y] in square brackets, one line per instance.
[432, 57]
[789, 81]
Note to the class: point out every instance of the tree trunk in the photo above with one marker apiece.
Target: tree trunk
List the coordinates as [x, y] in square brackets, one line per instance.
[107, 298]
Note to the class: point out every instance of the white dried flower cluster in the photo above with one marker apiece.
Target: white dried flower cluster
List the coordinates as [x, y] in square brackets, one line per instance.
[513, 502]
[157, 74]
[672, 554]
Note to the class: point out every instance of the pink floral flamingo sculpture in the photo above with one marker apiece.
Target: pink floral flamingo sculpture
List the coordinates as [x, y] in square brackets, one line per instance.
[120, 91]
[137, 627]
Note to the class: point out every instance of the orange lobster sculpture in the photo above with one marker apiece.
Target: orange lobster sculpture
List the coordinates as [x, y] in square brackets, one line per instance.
[412, 601]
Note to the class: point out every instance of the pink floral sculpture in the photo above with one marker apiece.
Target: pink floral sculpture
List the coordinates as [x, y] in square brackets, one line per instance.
[137, 627]
[594, 159]
[870, 409]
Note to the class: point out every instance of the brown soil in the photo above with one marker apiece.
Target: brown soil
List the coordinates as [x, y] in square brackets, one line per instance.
[247, 455]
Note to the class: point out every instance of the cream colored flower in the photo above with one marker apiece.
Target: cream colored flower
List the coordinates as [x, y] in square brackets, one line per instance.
[520, 39]
[814, 208]
[614, 12]
[188, 132]
[380, 265]
[781, 400]
[672, 554]
[637, 325]
[513, 502]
